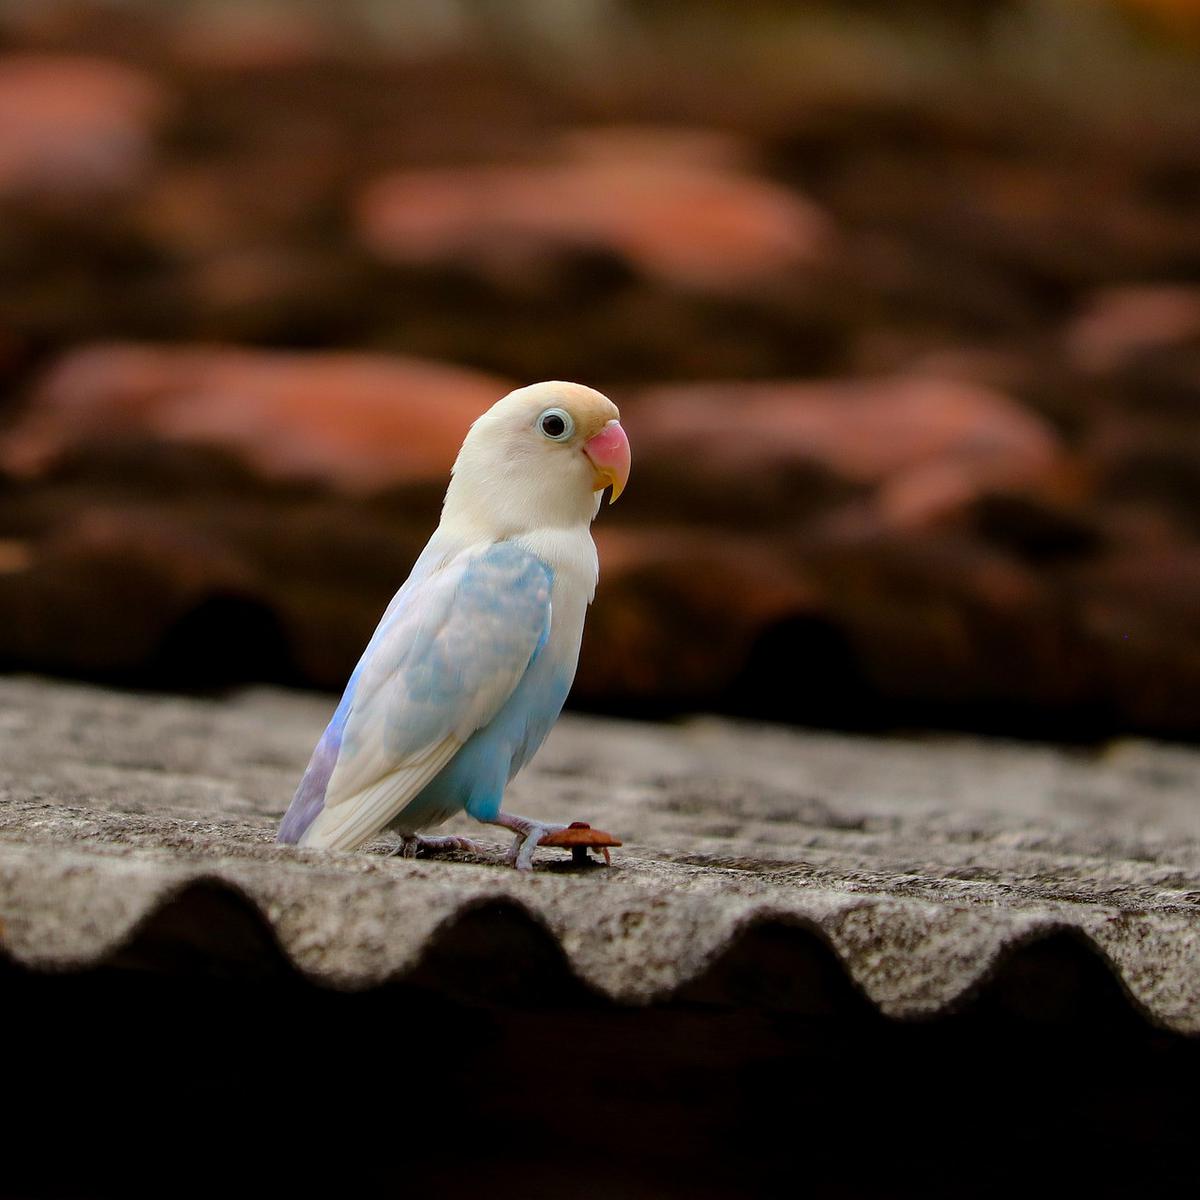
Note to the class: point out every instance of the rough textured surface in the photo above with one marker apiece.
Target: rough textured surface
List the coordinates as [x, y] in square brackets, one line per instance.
[920, 862]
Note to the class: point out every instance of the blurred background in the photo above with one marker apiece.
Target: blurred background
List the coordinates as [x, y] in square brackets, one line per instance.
[900, 300]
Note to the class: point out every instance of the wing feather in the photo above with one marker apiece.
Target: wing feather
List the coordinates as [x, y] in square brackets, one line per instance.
[441, 665]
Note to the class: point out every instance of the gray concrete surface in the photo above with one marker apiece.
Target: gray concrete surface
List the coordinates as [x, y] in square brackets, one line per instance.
[921, 862]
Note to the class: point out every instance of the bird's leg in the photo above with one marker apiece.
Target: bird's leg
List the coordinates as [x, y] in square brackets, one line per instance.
[528, 833]
[412, 843]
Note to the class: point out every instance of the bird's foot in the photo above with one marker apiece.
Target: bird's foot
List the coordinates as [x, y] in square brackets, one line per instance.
[412, 844]
[527, 833]
[520, 855]
[578, 837]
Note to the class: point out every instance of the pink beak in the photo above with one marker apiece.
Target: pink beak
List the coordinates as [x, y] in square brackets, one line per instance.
[609, 453]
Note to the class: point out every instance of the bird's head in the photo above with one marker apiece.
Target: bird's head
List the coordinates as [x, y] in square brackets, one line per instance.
[540, 457]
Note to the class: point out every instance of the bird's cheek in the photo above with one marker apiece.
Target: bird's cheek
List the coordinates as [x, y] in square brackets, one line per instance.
[610, 458]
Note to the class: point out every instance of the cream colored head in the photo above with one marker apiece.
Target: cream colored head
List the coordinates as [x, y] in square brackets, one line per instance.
[539, 458]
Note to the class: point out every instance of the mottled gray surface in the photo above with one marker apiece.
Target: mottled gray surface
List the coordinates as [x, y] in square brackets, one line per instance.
[919, 861]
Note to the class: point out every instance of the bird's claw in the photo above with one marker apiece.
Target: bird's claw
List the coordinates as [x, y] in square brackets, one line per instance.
[515, 849]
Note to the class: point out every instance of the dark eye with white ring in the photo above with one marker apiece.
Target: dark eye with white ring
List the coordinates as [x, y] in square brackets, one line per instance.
[556, 424]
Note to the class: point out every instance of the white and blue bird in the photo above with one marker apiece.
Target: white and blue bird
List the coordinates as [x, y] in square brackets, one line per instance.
[473, 659]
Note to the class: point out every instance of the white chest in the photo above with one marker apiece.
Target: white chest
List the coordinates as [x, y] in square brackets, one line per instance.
[571, 555]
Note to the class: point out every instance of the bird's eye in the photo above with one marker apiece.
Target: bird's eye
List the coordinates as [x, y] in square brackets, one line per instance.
[556, 424]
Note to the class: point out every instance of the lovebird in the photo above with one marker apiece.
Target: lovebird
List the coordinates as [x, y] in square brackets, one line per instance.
[472, 660]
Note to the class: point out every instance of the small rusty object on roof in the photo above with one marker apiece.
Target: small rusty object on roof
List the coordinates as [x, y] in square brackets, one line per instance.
[579, 837]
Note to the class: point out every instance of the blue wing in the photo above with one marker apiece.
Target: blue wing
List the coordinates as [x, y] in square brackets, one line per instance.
[449, 652]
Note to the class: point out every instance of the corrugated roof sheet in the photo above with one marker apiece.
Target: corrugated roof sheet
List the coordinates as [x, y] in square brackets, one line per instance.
[920, 862]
